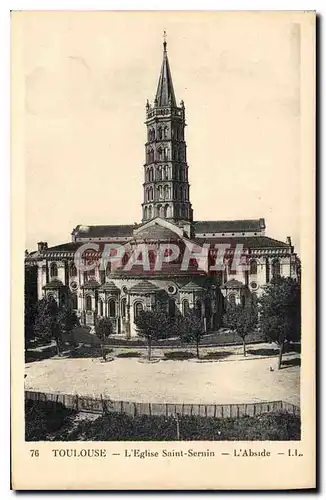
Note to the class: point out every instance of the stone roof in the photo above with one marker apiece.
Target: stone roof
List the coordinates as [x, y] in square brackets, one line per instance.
[246, 241]
[156, 232]
[91, 284]
[165, 93]
[109, 286]
[121, 230]
[192, 287]
[229, 226]
[54, 284]
[143, 287]
[233, 284]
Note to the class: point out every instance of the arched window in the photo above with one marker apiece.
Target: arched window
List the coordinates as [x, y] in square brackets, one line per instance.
[166, 172]
[159, 154]
[166, 192]
[138, 308]
[159, 173]
[112, 308]
[160, 132]
[150, 212]
[158, 210]
[123, 308]
[166, 153]
[253, 267]
[185, 307]
[165, 132]
[53, 270]
[88, 303]
[146, 213]
[74, 302]
[160, 192]
[72, 270]
[100, 307]
[166, 210]
[232, 299]
[276, 268]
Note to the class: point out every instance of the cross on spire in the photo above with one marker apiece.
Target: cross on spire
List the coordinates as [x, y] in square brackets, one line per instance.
[164, 40]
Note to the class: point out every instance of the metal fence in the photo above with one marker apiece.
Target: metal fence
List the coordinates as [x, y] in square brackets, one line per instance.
[103, 405]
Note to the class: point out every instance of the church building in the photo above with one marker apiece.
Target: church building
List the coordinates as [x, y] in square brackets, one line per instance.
[121, 289]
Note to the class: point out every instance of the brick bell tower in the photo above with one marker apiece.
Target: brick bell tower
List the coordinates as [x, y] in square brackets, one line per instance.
[166, 186]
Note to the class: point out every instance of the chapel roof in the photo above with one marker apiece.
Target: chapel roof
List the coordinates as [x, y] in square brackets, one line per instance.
[143, 287]
[53, 284]
[233, 284]
[109, 286]
[192, 287]
[91, 284]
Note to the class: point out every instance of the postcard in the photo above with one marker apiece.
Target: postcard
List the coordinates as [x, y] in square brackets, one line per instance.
[163, 250]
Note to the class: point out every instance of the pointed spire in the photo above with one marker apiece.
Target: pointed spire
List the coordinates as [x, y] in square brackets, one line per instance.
[165, 92]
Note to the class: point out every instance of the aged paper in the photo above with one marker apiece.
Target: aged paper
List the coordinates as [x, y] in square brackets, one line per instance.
[244, 84]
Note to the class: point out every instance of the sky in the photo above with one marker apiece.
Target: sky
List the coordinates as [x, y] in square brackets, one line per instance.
[87, 77]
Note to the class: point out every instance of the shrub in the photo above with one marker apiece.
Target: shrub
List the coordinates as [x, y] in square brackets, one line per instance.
[179, 355]
[129, 354]
[51, 421]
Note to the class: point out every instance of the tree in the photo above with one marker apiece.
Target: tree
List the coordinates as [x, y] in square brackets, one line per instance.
[191, 329]
[280, 312]
[151, 325]
[103, 329]
[30, 295]
[67, 319]
[46, 324]
[242, 319]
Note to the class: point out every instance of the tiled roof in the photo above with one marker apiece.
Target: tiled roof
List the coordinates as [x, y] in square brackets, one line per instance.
[228, 226]
[246, 241]
[233, 284]
[156, 232]
[123, 230]
[70, 247]
[109, 286]
[191, 287]
[91, 284]
[54, 284]
[165, 92]
[144, 287]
